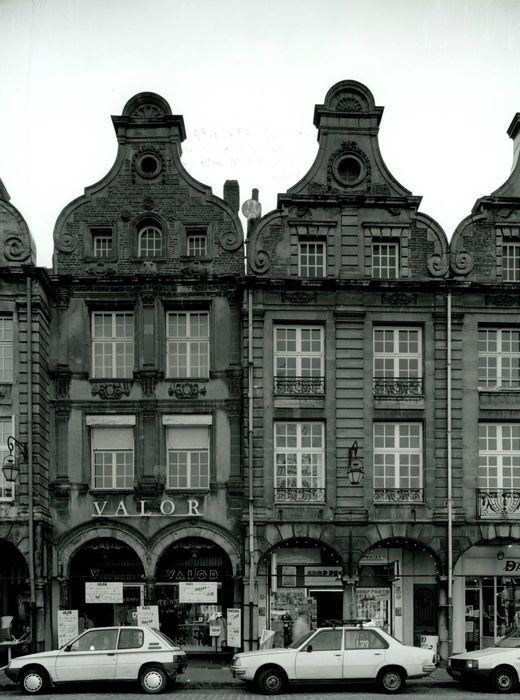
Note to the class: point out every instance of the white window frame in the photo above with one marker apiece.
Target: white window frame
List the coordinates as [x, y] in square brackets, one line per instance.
[113, 347]
[6, 349]
[387, 459]
[7, 488]
[394, 357]
[196, 244]
[147, 251]
[194, 348]
[312, 264]
[122, 428]
[298, 357]
[102, 243]
[299, 452]
[384, 259]
[199, 426]
[499, 463]
[511, 262]
[503, 358]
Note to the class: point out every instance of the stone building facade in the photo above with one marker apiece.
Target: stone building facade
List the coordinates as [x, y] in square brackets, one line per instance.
[331, 429]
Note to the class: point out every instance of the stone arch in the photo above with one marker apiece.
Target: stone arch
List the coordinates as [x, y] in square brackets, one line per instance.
[69, 545]
[349, 96]
[146, 105]
[171, 534]
[405, 542]
[313, 539]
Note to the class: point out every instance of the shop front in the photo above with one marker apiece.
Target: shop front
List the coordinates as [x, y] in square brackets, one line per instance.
[486, 595]
[14, 592]
[194, 592]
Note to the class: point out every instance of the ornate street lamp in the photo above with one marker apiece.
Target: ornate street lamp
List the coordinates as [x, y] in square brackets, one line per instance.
[355, 466]
[12, 464]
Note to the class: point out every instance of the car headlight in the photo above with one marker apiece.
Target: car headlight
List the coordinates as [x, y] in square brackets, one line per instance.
[472, 663]
[449, 662]
[236, 661]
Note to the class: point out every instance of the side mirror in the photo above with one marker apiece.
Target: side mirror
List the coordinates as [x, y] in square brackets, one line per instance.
[309, 648]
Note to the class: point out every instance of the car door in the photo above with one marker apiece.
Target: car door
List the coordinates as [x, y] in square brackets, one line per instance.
[91, 657]
[321, 656]
[130, 653]
[364, 653]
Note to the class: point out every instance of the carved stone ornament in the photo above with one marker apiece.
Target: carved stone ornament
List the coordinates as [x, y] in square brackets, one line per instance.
[66, 242]
[349, 148]
[148, 379]
[111, 390]
[63, 296]
[501, 300]
[231, 240]
[349, 104]
[148, 203]
[437, 265]
[61, 378]
[260, 260]
[299, 297]
[399, 299]
[16, 248]
[101, 270]
[187, 390]
[126, 214]
[148, 486]
[461, 262]
[234, 382]
[195, 269]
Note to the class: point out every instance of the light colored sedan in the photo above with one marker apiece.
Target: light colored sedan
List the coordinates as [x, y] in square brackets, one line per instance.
[336, 654]
[103, 654]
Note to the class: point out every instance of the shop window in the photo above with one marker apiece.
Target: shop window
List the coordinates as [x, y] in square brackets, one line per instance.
[312, 258]
[187, 344]
[397, 361]
[385, 260]
[499, 358]
[6, 349]
[149, 242]
[299, 360]
[326, 640]
[363, 639]
[6, 429]
[112, 344]
[511, 262]
[398, 462]
[299, 461]
[112, 449]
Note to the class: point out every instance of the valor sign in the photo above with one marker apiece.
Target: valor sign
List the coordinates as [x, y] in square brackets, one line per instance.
[188, 509]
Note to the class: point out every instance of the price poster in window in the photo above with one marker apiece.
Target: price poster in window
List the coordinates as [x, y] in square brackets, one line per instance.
[103, 592]
[197, 592]
[148, 615]
[234, 624]
[67, 626]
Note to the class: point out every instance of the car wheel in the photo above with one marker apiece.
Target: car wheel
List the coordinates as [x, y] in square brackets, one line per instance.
[271, 681]
[390, 680]
[34, 681]
[503, 680]
[153, 679]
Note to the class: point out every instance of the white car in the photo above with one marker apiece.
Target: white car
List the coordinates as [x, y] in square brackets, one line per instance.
[497, 666]
[342, 653]
[103, 654]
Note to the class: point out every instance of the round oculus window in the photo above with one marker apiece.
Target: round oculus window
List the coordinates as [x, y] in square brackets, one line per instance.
[349, 169]
[148, 165]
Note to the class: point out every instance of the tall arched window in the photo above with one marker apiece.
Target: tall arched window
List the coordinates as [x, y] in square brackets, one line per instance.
[149, 242]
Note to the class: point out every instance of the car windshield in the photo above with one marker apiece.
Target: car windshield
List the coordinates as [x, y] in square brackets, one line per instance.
[301, 640]
[511, 640]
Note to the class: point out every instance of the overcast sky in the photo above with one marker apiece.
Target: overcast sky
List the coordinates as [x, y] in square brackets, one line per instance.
[246, 76]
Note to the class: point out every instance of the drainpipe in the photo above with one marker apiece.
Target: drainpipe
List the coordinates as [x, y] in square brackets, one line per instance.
[32, 582]
[251, 486]
[449, 467]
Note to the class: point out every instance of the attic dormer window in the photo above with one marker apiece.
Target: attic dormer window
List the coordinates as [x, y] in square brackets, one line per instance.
[149, 242]
[102, 242]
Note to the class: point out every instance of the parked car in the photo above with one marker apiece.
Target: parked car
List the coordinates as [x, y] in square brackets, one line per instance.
[103, 654]
[497, 666]
[337, 653]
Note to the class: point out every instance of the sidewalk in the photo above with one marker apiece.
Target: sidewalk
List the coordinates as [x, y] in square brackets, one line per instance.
[212, 674]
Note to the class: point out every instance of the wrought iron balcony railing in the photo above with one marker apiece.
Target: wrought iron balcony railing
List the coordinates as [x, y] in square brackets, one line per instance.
[292, 495]
[398, 386]
[398, 495]
[299, 385]
[498, 504]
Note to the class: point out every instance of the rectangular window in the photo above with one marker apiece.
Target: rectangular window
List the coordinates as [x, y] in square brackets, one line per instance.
[499, 358]
[112, 457]
[187, 344]
[499, 456]
[385, 260]
[398, 461]
[6, 429]
[188, 457]
[299, 461]
[197, 244]
[511, 262]
[112, 344]
[311, 259]
[299, 360]
[6, 349]
[102, 242]
[397, 361]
